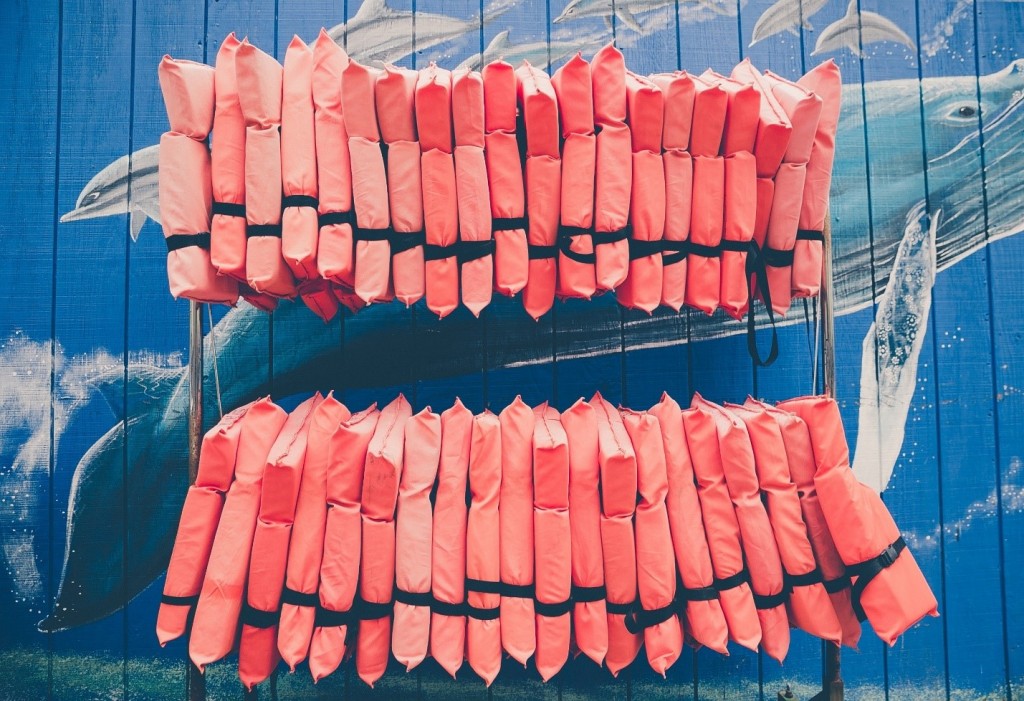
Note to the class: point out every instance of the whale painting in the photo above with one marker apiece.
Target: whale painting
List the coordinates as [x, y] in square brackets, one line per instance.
[927, 199]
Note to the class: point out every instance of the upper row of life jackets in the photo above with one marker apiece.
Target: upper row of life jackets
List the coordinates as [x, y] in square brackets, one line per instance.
[333, 181]
[599, 530]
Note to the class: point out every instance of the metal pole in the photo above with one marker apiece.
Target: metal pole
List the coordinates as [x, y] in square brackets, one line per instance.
[195, 682]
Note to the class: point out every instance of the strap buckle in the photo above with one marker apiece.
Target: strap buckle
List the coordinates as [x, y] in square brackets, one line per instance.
[888, 556]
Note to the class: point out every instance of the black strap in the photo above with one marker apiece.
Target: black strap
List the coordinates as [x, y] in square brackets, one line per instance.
[770, 601]
[473, 250]
[483, 586]
[299, 598]
[755, 268]
[482, 614]
[179, 600]
[361, 234]
[257, 618]
[810, 235]
[326, 618]
[446, 609]
[552, 610]
[834, 586]
[620, 609]
[699, 249]
[229, 209]
[602, 237]
[179, 241]
[518, 591]
[697, 594]
[643, 249]
[869, 569]
[299, 201]
[540, 252]
[263, 230]
[638, 620]
[582, 595]
[330, 218]
[732, 581]
[777, 258]
[674, 251]
[414, 598]
[402, 241]
[565, 236]
[509, 223]
[432, 251]
[803, 580]
[370, 611]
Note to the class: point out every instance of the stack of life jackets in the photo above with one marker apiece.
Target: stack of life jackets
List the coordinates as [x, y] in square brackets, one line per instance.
[350, 185]
[321, 533]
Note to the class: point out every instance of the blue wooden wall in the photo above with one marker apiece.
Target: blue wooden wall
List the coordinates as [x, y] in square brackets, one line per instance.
[92, 345]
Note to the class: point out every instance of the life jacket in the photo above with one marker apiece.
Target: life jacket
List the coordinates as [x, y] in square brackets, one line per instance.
[573, 88]
[721, 526]
[760, 550]
[515, 521]
[825, 82]
[410, 635]
[335, 249]
[339, 568]
[198, 525]
[299, 228]
[552, 536]
[589, 614]
[505, 178]
[300, 598]
[645, 107]
[696, 594]
[889, 588]
[476, 243]
[440, 200]
[448, 553]
[372, 233]
[614, 174]
[808, 606]
[396, 115]
[539, 110]
[483, 559]
[679, 91]
[220, 600]
[257, 648]
[185, 194]
[259, 77]
[656, 573]
[381, 477]
[617, 461]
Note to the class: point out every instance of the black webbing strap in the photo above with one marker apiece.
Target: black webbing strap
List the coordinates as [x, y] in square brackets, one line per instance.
[179, 600]
[330, 218]
[361, 234]
[402, 241]
[640, 619]
[777, 258]
[229, 209]
[674, 251]
[803, 580]
[299, 598]
[770, 601]
[834, 586]
[582, 595]
[732, 581]
[414, 598]
[473, 250]
[699, 249]
[869, 569]
[446, 609]
[299, 201]
[326, 618]
[755, 268]
[552, 610]
[509, 223]
[517, 591]
[540, 252]
[432, 251]
[179, 241]
[257, 618]
[620, 609]
[643, 249]
[810, 235]
[253, 230]
[566, 234]
[370, 611]
[696, 594]
[482, 614]
[484, 586]
[603, 237]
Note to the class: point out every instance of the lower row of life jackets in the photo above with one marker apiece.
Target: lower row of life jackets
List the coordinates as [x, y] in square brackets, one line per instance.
[345, 184]
[323, 533]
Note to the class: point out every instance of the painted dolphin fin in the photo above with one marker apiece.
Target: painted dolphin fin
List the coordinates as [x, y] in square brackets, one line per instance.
[498, 44]
[138, 221]
[627, 18]
[891, 350]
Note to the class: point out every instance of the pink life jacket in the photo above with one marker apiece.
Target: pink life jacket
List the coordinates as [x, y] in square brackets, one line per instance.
[618, 503]
[381, 478]
[299, 599]
[335, 249]
[369, 185]
[198, 525]
[440, 199]
[573, 88]
[515, 521]
[185, 194]
[396, 115]
[678, 90]
[614, 174]
[721, 526]
[476, 246]
[448, 551]
[697, 594]
[539, 109]
[505, 178]
[259, 78]
[889, 588]
[656, 572]
[339, 567]
[220, 601]
[589, 615]
[808, 606]
[552, 541]
[483, 559]
[761, 552]
[257, 649]
[646, 106]
[410, 635]
[825, 82]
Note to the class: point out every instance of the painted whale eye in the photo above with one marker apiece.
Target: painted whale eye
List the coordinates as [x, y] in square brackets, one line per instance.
[966, 111]
[91, 197]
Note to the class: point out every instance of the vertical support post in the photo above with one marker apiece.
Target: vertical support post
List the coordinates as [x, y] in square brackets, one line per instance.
[195, 682]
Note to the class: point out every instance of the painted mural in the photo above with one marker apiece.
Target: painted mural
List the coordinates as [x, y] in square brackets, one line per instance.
[926, 201]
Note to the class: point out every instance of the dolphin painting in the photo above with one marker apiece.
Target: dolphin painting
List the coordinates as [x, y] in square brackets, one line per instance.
[380, 348]
[786, 16]
[538, 53]
[858, 28]
[626, 11]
